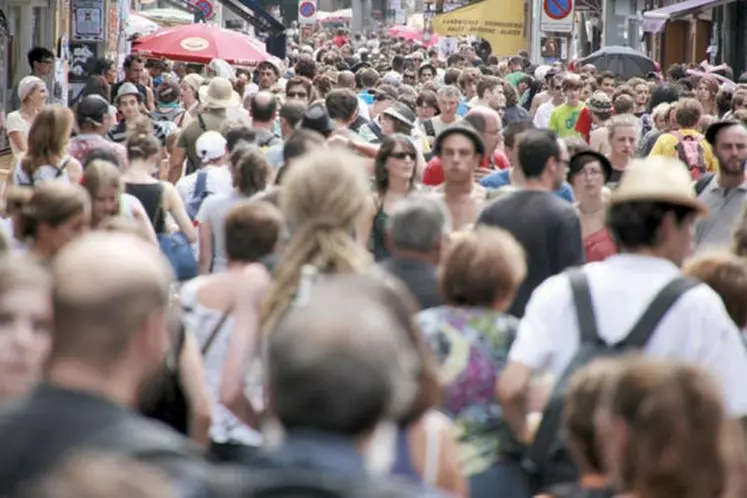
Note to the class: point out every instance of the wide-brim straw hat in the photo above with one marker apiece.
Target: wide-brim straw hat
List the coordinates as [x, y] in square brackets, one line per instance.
[657, 179]
[219, 94]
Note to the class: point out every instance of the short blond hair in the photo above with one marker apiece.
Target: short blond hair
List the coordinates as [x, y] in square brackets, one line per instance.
[484, 266]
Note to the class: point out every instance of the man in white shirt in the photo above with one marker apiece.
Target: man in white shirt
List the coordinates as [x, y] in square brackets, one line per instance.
[211, 149]
[555, 92]
[651, 217]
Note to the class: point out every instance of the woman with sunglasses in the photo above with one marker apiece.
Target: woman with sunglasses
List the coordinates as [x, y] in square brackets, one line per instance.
[394, 178]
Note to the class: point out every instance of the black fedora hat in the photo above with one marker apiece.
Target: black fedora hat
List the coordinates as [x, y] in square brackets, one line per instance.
[580, 159]
[316, 118]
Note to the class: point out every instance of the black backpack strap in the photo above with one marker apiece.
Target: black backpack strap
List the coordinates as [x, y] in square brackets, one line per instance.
[703, 182]
[201, 120]
[587, 322]
[547, 430]
[642, 330]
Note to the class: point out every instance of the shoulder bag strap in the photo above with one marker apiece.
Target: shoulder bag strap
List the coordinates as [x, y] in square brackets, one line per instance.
[650, 319]
[200, 185]
[587, 323]
[203, 126]
[63, 165]
[214, 332]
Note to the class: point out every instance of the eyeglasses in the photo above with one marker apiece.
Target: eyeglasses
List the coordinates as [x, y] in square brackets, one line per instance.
[403, 155]
[591, 172]
[297, 95]
[382, 98]
[557, 87]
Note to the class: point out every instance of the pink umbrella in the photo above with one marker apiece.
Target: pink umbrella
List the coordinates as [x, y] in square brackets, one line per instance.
[411, 33]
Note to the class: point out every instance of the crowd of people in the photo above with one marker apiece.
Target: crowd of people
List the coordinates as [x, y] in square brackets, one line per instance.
[375, 270]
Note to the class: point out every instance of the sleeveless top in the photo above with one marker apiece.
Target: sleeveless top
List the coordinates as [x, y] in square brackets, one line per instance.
[403, 465]
[599, 246]
[44, 173]
[150, 196]
[377, 243]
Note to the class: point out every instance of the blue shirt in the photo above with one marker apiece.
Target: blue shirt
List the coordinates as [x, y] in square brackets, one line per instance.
[366, 97]
[463, 109]
[502, 178]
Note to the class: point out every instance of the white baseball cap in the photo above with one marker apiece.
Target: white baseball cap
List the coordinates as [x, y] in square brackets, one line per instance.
[210, 146]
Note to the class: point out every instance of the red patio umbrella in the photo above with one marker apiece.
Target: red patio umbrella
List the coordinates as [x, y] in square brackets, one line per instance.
[202, 43]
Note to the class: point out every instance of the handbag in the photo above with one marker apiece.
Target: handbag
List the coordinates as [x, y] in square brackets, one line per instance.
[177, 249]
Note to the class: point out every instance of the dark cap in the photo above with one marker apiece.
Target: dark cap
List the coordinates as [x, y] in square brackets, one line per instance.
[712, 131]
[580, 159]
[360, 65]
[92, 109]
[385, 92]
[459, 129]
[316, 118]
[402, 113]
[168, 91]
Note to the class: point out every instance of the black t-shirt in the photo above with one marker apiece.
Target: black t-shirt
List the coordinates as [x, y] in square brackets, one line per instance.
[548, 229]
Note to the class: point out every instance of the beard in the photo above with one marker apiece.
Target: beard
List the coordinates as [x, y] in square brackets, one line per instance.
[733, 167]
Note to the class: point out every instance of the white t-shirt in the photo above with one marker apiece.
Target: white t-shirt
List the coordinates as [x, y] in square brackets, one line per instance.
[219, 181]
[14, 122]
[696, 329]
[542, 116]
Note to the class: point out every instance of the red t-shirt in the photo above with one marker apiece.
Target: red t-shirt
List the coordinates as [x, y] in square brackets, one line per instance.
[339, 40]
[434, 170]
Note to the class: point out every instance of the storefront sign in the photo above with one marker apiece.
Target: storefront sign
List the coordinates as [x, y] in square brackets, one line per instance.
[81, 56]
[88, 20]
[557, 16]
[500, 22]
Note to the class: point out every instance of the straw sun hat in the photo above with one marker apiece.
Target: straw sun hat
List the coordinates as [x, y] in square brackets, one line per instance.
[657, 178]
[219, 94]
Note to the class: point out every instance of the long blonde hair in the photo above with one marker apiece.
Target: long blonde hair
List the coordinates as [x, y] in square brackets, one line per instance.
[322, 196]
[48, 137]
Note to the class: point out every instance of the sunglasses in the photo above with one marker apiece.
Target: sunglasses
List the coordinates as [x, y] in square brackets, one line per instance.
[297, 95]
[382, 98]
[403, 155]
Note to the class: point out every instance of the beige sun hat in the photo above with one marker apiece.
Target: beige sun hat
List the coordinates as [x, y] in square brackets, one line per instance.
[657, 178]
[219, 94]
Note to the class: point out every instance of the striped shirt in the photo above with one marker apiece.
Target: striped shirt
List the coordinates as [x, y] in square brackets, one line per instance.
[118, 134]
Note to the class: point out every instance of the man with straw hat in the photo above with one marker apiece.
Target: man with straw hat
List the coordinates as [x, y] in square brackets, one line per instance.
[218, 99]
[651, 218]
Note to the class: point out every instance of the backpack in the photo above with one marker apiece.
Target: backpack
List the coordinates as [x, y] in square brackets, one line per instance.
[29, 181]
[547, 462]
[199, 194]
[690, 151]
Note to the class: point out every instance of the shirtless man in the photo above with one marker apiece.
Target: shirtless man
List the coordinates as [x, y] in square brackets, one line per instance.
[461, 150]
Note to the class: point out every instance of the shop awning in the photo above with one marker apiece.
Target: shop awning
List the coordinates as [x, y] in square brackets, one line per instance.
[655, 20]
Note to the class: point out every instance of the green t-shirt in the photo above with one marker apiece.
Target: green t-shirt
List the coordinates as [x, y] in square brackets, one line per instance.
[514, 77]
[563, 120]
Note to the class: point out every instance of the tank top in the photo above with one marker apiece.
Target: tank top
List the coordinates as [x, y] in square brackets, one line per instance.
[403, 466]
[377, 243]
[150, 196]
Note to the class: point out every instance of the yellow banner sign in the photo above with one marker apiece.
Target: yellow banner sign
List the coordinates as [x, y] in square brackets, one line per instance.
[501, 22]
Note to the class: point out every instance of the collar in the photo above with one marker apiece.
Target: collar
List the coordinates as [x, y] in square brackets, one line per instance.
[642, 261]
[307, 448]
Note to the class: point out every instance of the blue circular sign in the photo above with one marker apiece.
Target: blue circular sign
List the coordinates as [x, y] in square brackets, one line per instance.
[307, 9]
[206, 6]
[558, 9]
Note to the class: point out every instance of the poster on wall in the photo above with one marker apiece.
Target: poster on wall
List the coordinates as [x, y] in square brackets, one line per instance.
[88, 20]
[82, 55]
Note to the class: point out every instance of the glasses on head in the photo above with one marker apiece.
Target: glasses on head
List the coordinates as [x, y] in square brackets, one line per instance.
[297, 95]
[403, 155]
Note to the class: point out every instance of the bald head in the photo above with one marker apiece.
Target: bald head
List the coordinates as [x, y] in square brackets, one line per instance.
[105, 287]
[488, 123]
[346, 79]
[263, 107]
[343, 339]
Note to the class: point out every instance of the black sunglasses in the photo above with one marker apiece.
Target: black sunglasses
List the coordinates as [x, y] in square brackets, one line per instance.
[403, 155]
[295, 95]
[381, 98]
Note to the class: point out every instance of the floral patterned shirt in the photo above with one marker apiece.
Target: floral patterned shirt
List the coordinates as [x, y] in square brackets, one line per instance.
[471, 346]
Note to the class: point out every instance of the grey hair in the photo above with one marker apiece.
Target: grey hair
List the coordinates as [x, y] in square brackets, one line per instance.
[340, 363]
[417, 223]
[449, 92]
